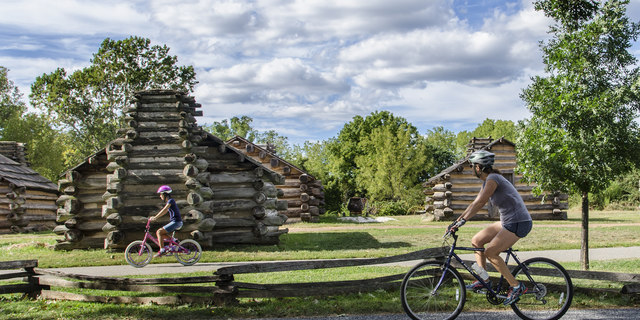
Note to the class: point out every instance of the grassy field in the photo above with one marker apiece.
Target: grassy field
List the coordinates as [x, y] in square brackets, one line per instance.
[331, 238]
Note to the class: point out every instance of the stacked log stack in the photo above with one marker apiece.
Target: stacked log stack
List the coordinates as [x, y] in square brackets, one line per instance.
[303, 193]
[220, 192]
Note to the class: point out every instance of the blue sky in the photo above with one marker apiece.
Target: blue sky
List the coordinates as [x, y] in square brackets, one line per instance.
[306, 67]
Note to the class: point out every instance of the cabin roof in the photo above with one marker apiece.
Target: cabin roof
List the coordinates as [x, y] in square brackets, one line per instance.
[273, 155]
[458, 163]
[23, 176]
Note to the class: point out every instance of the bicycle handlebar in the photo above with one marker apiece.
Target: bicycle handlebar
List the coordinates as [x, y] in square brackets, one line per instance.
[453, 227]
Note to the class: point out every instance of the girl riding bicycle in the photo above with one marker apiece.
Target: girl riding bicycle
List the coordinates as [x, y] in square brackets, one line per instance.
[175, 221]
[515, 221]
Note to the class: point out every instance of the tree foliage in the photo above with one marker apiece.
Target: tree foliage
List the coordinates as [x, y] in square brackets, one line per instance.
[488, 128]
[241, 126]
[582, 132]
[88, 103]
[44, 145]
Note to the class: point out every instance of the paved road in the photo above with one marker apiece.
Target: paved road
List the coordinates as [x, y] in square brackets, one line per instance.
[608, 314]
[172, 266]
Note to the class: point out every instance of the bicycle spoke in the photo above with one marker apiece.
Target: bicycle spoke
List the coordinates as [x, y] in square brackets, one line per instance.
[550, 297]
[422, 298]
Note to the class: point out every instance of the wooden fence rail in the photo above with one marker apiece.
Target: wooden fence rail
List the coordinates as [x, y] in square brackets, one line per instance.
[27, 266]
[221, 288]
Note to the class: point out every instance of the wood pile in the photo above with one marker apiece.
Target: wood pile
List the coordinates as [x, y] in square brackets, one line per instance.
[27, 200]
[223, 196]
[449, 193]
[304, 193]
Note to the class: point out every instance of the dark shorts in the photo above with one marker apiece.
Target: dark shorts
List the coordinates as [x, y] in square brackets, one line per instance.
[172, 226]
[521, 229]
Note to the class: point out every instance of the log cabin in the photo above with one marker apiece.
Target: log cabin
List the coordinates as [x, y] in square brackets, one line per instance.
[27, 199]
[450, 192]
[224, 196]
[303, 192]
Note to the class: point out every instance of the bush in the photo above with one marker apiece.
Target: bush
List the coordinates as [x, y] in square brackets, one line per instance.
[388, 208]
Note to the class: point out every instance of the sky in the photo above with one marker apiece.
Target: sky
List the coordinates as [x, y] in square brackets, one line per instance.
[305, 68]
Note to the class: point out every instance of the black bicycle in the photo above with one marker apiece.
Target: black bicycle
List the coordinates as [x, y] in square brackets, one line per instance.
[435, 289]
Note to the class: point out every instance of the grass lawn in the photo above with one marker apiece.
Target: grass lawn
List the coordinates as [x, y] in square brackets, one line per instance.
[331, 238]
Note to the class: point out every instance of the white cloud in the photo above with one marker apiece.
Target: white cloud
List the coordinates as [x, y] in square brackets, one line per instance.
[305, 67]
[73, 16]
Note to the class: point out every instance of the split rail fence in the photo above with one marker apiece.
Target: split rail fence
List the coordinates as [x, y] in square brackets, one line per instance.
[220, 288]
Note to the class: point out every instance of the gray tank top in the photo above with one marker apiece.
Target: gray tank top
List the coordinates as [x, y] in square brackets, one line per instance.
[509, 202]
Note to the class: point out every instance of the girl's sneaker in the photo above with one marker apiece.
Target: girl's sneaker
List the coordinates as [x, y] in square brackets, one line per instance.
[515, 293]
[161, 252]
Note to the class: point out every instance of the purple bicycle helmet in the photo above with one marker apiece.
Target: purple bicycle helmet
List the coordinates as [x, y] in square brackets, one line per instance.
[164, 189]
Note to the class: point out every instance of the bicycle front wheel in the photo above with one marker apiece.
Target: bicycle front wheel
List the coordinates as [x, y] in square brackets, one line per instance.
[432, 291]
[550, 294]
[189, 252]
[138, 254]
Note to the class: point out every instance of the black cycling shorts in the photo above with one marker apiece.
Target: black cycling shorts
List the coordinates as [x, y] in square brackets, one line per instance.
[521, 229]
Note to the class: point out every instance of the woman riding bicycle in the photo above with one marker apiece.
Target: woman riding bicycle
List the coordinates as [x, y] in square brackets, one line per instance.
[515, 220]
[175, 221]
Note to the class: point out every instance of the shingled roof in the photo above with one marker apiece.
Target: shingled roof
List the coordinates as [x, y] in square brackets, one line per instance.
[23, 176]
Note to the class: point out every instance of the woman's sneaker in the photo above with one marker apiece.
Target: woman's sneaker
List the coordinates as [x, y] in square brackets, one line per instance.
[476, 286]
[515, 293]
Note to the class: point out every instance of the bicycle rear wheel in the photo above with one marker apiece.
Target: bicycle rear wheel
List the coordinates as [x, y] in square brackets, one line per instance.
[550, 297]
[189, 252]
[422, 298]
[138, 254]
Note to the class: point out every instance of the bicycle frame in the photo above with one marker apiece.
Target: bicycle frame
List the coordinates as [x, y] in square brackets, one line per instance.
[149, 236]
[452, 254]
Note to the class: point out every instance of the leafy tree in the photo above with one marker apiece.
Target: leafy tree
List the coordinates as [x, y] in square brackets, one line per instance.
[582, 132]
[488, 128]
[280, 143]
[393, 170]
[44, 144]
[11, 103]
[441, 150]
[89, 103]
[241, 126]
[344, 149]
[229, 128]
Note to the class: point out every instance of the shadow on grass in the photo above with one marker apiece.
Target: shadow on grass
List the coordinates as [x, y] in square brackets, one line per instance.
[327, 241]
[336, 241]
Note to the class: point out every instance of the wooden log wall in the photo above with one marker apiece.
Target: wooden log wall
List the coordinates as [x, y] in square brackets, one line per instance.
[80, 216]
[25, 210]
[448, 197]
[304, 194]
[11, 212]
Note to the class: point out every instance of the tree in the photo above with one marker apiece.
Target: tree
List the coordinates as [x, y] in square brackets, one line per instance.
[89, 103]
[11, 102]
[44, 144]
[488, 128]
[241, 126]
[229, 128]
[582, 132]
[393, 170]
[347, 146]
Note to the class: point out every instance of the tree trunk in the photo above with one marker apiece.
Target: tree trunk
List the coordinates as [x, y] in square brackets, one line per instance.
[584, 250]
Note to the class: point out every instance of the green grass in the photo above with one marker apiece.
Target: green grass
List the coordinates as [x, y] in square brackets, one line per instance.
[330, 238]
